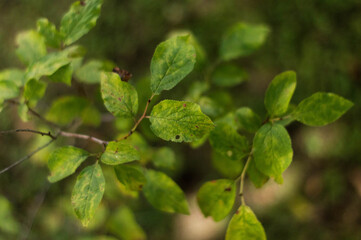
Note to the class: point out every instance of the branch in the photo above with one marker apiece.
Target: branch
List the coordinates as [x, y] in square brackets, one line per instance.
[28, 156]
[83, 136]
[242, 178]
[29, 131]
[139, 120]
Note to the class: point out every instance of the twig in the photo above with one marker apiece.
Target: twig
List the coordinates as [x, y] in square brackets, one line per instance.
[139, 120]
[242, 178]
[29, 131]
[83, 136]
[27, 156]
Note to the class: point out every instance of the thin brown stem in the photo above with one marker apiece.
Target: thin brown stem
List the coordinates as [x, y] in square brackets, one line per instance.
[139, 120]
[28, 156]
[28, 131]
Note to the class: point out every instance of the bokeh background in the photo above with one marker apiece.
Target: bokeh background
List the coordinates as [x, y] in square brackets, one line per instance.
[320, 197]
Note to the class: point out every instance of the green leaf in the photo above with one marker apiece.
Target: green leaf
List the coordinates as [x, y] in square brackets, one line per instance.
[226, 166]
[242, 39]
[179, 121]
[13, 75]
[123, 224]
[257, 178]
[88, 193]
[321, 109]
[248, 120]
[34, 90]
[91, 71]
[48, 30]
[117, 153]
[64, 161]
[80, 18]
[131, 176]
[216, 198]
[91, 116]
[164, 194]
[63, 75]
[228, 75]
[8, 90]
[31, 46]
[210, 107]
[120, 98]
[227, 142]
[272, 150]
[245, 225]
[279, 93]
[67, 108]
[165, 158]
[23, 112]
[172, 61]
[47, 65]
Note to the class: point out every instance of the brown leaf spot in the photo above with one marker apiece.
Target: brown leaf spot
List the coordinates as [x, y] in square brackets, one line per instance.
[177, 137]
[237, 212]
[197, 126]
[184, 105]
[228, 189]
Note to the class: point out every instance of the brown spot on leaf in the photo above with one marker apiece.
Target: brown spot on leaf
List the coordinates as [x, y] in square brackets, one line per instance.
[184, 105]
[213, 181]
[197, 126]
[228, 189]
[124, 75]
[177, 137]
[237, 212]
[82, 3]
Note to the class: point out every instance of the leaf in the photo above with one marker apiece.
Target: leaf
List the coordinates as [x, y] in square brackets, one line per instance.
[210, 107]
[165, 158]
[8, 90]
[321, 109]
[257, 178]
[64, 161]
[117, 153]
[23, 111]
[13, 75]
[228, 75]
[248, 120]
[179, 121]
[88, 193]
[80, 18]
[48, 30]
[227, 142]
[30, 46]
[91, 116]
[34, 90]
[172, 61]
[47, 65]
[279, 93]
[120, 98]
[123, 224]
[216, 198]
[226, 166]
[245, 225]
[242, 39]
[67, 108]
[91, 71]
[272, 150]
[63, 74]
[164, 194]
[131, 176]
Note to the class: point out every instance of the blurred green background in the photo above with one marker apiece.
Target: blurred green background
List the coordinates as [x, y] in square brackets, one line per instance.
[320, 198]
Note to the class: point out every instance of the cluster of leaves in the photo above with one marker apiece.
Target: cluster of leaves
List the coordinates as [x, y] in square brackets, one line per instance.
[50, 57]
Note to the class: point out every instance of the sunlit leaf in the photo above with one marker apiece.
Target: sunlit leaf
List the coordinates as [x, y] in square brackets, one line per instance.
[279, 93]
[80, 18]
[119, 152]
[172, 61]
[321, 109]
[48, 30]
[64, 161]
[245, 225]
[120, 98]
[88, 193]
[179, 121]
[247, 119]
[30, 46]
[272, 150]
[216, 198]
